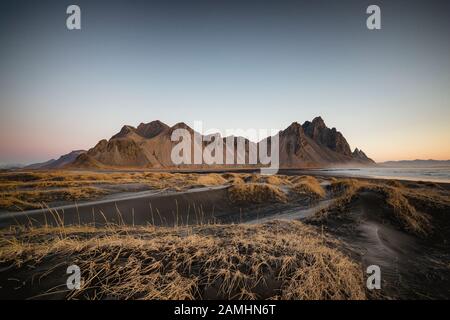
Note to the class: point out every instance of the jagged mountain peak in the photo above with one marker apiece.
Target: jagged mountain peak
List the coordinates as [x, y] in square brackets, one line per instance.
[360, 155]
[331, 138]
[318, 121]
[181, 125]
[144, 130]
[126, 129]
[295, 128]
[151, 129]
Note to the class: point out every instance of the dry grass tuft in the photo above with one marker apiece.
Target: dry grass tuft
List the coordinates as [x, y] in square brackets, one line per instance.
[277, 260]
[255, 193]
[235, 178]
[276, 180]
[13, 204]
[404, 212]
[211, 179]
[33, 199]
[394, 183]
[308, 186]
[346, 187]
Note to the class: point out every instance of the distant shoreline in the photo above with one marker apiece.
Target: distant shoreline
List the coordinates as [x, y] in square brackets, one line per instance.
[316, 171]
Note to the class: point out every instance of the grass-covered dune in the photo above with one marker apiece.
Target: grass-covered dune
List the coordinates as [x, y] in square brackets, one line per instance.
[26, 190]
[34, 189]
[412, 207]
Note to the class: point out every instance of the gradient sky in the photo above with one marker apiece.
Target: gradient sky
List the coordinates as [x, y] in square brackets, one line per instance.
[231, 64]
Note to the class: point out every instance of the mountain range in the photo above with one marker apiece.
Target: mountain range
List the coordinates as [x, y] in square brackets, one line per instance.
[149, 145]
[59, 163]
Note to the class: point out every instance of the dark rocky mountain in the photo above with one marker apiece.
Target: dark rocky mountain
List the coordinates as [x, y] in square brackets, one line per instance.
[359, 154]
[59, 163]
[152, 129]
[331, 138]
[314, 144]
[149, 145]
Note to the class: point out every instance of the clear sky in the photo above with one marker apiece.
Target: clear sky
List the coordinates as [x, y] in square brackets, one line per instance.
[231, 64]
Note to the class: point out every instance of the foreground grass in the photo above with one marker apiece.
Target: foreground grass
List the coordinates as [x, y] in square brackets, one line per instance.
[277, 260]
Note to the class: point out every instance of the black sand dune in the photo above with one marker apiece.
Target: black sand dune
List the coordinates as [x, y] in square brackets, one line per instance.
[412, 267]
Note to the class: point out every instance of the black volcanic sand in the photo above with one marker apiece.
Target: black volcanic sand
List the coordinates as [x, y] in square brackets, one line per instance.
[196, 206]
[168, 209]
[412, 267]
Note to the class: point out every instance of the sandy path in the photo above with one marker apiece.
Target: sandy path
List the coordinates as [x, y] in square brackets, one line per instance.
[294, 213]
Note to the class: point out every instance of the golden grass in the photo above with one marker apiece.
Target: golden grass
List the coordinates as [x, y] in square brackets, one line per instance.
[347, 186]
[394, 183]
[28, 190]
[64, 179]
[34, 189]
[31, 189]
[405, 213]
[14, 204]
[234, 178]
[429, 199]
[269, 188]
[309, 186]
[211, 179]
[394, 195]
[277, 260]
[255, 193]
[23, 200]
[276, 180]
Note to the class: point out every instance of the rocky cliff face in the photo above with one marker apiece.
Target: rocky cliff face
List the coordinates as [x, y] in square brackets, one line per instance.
[360, 155]
[149, 145]
[331, 138]
[314, 144]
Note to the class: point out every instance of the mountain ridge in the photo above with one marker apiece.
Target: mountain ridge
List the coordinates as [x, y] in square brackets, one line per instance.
[149, 145]
[59, 163]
